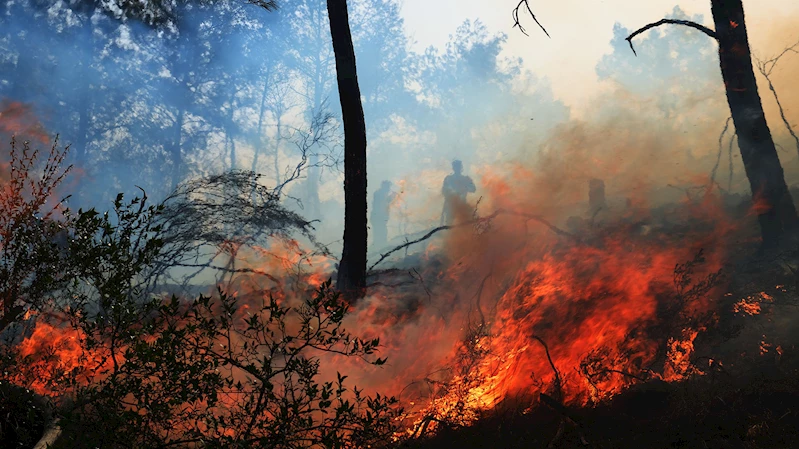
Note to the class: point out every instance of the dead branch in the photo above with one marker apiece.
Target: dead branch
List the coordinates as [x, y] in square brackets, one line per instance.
[765, 68]
[729, 181]
[517, 23]
[479, 296]
[687, 23]
[718, 158]
[558, 390]
[51, 434]
[422, 428]
[269, 5]
[320, 131]
[424, 286]
[478, 221]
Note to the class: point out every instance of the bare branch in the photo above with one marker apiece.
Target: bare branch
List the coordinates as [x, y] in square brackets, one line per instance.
[477, 221]
[718, 158]
[687, 23]
[729, 180]
[765, 68]
[557, 382]
[269, 5]
[517, 23]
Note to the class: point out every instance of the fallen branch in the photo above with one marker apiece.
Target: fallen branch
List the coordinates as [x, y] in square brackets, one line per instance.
[687, 23]
[51, 434]
[422, 428]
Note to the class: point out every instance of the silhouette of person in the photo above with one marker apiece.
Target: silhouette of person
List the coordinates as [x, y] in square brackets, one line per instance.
[456, 187]
[380, 211]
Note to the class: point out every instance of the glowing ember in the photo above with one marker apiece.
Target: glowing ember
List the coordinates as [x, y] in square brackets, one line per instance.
[751, 305]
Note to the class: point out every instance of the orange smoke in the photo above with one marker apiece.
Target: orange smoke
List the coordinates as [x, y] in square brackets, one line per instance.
[604, 298]
[17, 119]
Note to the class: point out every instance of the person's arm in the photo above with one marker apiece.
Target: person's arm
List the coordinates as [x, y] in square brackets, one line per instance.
[446, 189]
[471, 186]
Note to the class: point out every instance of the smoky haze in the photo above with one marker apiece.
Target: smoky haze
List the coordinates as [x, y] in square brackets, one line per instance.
[215, 86]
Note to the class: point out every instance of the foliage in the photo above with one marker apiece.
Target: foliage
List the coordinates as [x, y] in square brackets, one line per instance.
[29, 234]
[47, 250]
[126, 369]
[224, 373]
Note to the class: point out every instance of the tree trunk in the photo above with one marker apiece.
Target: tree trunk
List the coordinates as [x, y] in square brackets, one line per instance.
[276, 158]
[777, 213]
[81, 140]
[258, 140]
[174, 149]
[352, 268]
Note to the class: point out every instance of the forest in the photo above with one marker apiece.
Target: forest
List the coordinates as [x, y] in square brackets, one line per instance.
[303, 224]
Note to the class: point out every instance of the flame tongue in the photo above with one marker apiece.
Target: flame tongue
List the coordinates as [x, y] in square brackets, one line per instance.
[582, 322]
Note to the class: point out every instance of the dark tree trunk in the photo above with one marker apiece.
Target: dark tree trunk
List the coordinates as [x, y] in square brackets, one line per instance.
[352, 268]
[777, 212]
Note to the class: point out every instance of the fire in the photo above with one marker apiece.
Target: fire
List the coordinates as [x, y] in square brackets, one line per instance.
[518, 309]
[580, 316]
[751, 305]
[51, 352]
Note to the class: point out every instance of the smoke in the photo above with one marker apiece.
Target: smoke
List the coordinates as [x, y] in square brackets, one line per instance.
[151, 107]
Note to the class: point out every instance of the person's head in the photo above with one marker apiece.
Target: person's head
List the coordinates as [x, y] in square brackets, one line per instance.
[457, 166]
[385, 185]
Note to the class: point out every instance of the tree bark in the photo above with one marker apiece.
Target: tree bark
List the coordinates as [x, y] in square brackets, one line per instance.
[352, 267]
[776, 211]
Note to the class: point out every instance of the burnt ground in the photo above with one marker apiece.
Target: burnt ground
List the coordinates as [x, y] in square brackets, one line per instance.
[760, 413]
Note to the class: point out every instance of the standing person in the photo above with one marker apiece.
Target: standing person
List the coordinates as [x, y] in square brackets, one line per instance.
[380, 214]
[456, 187]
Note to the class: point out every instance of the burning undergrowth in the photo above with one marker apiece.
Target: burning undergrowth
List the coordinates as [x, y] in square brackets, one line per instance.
[520, 306]
[536, 298]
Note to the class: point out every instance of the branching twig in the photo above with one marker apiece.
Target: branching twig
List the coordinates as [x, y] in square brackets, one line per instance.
[436, 230]
[558, 390]
[516, 23]
[765, 68]
[718, 158]
[687, 23]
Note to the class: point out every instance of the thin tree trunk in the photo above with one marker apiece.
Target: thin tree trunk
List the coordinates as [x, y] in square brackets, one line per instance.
[777, 213]
[258, 141]
[314, 174]
[278, 138]
[232, 151]
[231, 139]
[352, 268]
[174, 150]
